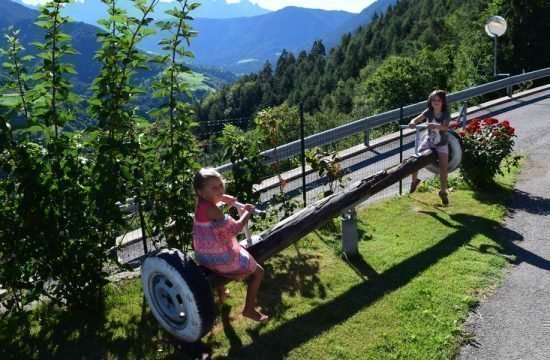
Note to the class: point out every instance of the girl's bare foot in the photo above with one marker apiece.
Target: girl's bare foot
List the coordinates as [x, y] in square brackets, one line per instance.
[255, 315]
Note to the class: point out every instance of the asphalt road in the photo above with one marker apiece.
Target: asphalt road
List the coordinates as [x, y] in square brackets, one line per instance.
[514, 322]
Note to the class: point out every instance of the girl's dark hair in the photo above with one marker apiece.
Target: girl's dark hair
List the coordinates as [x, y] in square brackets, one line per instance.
[203, 175]
[442, 95]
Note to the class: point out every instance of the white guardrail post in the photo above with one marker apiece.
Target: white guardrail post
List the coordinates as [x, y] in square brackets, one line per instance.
[350, 234]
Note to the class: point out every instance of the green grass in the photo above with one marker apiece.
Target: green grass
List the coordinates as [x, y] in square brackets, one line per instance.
[420, 269]
[196, 81]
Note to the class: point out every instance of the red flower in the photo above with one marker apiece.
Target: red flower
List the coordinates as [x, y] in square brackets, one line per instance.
[496, 133]
[490, 121]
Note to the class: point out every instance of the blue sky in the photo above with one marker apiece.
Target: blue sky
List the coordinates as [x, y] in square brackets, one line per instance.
[347, 5]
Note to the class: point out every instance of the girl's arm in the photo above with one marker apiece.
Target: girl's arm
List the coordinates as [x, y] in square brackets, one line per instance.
[228, 199]
[417, 120]
[214, 213]
[245, 214]
[444, 126]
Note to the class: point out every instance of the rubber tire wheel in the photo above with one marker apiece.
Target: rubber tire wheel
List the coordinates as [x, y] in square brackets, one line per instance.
[456, 149]
[178, 294]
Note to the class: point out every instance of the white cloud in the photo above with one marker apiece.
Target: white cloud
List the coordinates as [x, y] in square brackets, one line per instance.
[35, 2]
[347, 5]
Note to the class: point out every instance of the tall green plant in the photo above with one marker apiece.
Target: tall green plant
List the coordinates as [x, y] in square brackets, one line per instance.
[117, 161]
[270, 121]
[243, 151]
[48, 238]
[168, 185]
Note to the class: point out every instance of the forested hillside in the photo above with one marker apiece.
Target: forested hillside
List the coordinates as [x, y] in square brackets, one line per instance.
[418, 45]
[242, 45]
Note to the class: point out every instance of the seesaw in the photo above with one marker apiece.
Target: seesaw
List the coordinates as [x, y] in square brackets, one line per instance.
[179, 292]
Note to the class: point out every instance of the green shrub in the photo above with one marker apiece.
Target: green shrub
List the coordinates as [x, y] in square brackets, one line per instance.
[487, 143]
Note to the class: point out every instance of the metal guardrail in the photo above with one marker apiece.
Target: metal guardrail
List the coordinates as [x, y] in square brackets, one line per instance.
[329, 136]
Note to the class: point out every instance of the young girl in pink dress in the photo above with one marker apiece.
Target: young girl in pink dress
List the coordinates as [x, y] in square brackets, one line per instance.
[215, 242]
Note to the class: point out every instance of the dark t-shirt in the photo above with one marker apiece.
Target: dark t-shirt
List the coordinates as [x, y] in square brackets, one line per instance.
[429, 115]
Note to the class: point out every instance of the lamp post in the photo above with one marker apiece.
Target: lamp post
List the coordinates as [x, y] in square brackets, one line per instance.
[495, 27]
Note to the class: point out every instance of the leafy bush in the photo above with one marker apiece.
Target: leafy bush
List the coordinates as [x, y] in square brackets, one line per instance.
[60, 190]
[487, 143]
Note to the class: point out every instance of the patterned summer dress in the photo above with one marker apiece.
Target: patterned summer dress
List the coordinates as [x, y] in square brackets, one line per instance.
[216, 245]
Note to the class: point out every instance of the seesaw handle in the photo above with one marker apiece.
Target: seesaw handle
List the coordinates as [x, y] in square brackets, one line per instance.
[418, 126]
[240, 206]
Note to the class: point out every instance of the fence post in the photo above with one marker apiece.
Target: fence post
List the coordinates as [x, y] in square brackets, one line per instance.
[303, 157]
[401, 145]
[366, 139]
[350, 234]
[463, 114]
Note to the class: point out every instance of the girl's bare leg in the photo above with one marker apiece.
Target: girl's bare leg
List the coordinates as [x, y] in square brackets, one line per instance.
[443, 171]
[414, 182]
[222, 293]
[249, 310]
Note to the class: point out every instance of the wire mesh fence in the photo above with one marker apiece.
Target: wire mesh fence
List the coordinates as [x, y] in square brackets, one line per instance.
[356, 157]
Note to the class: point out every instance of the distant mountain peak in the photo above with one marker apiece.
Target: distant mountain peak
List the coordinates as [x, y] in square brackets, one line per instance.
[90, 11]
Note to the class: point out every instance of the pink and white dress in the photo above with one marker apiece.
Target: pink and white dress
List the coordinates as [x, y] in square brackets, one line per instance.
[216, 245]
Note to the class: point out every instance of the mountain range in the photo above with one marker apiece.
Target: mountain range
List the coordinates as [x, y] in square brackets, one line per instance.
[89, 11]
[84, 41]
[243, 44]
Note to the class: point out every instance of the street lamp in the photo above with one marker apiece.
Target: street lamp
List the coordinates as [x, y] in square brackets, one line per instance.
[495, 27]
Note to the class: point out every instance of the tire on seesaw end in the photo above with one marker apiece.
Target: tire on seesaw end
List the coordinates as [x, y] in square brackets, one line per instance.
[178, 294]
[456, 150]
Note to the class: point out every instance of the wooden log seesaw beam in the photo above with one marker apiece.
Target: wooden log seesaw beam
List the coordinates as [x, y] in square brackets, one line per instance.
[287, 232]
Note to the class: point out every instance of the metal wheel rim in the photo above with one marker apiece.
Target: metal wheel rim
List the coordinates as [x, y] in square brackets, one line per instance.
[168, 300]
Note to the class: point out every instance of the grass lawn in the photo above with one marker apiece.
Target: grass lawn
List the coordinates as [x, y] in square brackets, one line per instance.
[196, 81]
[420, 269]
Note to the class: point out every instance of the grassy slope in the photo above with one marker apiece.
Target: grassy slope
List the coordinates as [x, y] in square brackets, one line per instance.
[421, 268]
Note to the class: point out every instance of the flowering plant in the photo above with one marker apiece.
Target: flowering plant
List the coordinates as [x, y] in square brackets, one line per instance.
[486, 144]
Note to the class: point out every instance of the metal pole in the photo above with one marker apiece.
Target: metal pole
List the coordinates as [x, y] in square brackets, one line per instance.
[401, 145]
[366, 139]
[495, 58]
[464, 114]
[303, 150]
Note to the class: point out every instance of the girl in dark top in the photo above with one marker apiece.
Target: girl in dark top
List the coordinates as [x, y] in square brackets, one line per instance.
[438, 118]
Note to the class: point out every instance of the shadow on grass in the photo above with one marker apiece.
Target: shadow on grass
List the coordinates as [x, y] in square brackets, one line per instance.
[291, 276]
[279, 342]
[76, 334]
[361, 267]
[496, 194]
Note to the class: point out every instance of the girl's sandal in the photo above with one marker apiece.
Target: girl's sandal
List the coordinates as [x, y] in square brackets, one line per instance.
[444, 197]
